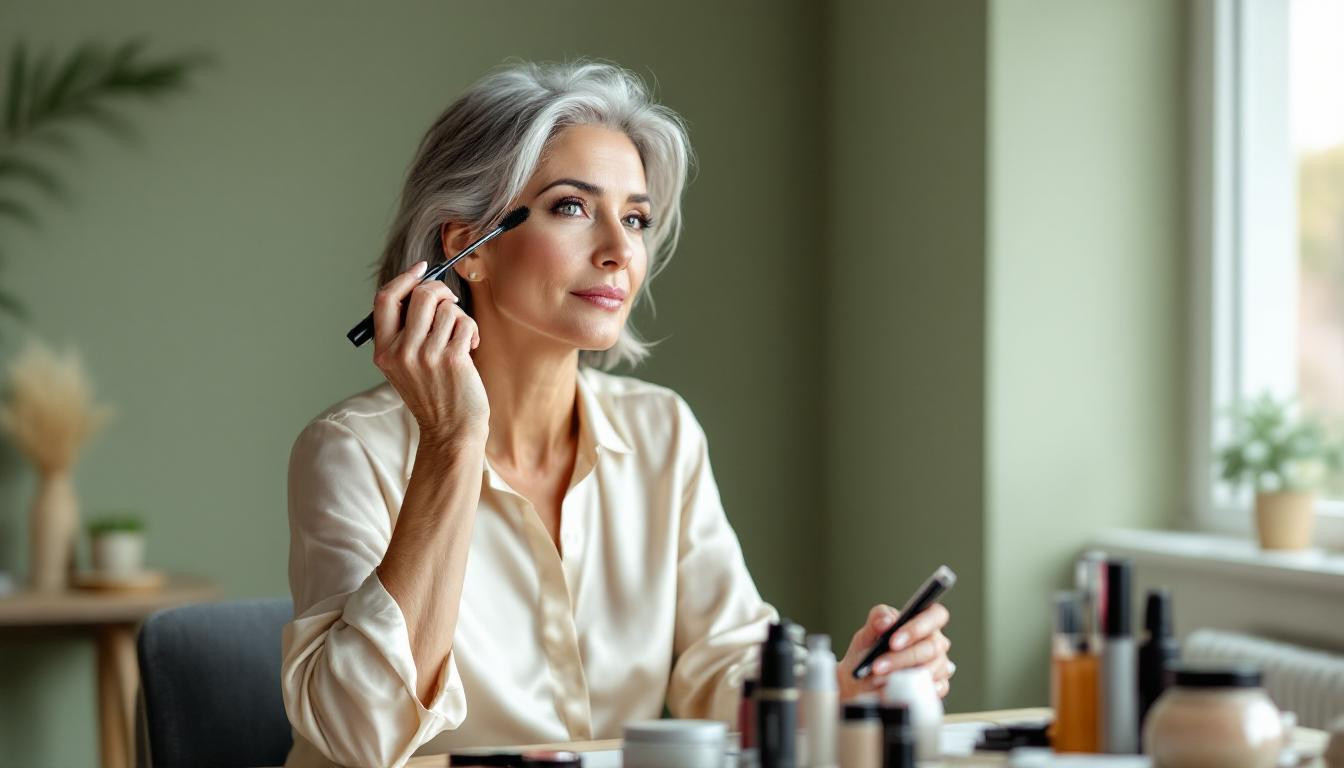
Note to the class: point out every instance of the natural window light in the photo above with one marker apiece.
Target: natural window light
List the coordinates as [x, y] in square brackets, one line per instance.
[1316, 115]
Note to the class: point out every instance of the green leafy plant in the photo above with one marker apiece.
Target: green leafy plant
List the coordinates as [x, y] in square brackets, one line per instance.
[116, 522]
[1275, 448]
[45, 97]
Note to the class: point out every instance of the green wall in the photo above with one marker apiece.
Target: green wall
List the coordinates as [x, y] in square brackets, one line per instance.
[209, 275]
[1085, 264]
[1005, 330]
[905, 360]
[926, 304]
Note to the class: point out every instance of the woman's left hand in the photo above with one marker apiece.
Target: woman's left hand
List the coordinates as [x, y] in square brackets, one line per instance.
[920, 643]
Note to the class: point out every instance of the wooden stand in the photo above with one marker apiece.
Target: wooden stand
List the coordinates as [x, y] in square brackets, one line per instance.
[112, 618]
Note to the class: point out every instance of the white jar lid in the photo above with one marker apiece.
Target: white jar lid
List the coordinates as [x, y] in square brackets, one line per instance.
[676, 732]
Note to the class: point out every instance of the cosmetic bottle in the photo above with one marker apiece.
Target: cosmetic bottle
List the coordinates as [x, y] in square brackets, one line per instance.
[746, 715]
[1158, 652]
[777, 700]
[1119, 700]
[820, 703]
[898, 737]
[914, 688]
[861, 734]
[1073, 680]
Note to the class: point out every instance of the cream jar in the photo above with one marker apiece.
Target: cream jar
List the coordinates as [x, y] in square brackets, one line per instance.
[675, 744]
[1214, 716]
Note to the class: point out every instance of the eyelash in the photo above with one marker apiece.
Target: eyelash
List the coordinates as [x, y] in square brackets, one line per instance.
[645, 222]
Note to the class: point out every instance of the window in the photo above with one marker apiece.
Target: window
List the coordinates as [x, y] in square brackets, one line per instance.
[1316, 124]
[1267, 213]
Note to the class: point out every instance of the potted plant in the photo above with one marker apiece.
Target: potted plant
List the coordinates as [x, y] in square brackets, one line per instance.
[117, 544]
[51, 414]
[1285, 457]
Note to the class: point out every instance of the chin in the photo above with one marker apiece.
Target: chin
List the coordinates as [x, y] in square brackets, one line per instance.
[601, 344]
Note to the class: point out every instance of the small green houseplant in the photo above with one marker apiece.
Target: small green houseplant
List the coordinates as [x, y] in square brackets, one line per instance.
[117, 543]
[1285, 456]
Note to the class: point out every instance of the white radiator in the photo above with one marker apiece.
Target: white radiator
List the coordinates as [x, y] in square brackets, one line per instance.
[1303, 680]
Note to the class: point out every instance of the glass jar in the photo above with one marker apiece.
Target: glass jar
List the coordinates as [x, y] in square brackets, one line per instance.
[1214, 717]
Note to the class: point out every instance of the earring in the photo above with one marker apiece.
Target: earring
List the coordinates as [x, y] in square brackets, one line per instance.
[471, 276]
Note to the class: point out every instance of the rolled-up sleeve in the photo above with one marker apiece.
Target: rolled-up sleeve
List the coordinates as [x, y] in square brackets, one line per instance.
[348, 676]
[721, 618]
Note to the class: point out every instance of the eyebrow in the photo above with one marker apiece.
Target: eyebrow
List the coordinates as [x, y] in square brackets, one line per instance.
[591, 189]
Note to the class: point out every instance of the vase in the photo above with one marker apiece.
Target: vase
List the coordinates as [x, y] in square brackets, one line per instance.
[53, 528]
[1284, 519]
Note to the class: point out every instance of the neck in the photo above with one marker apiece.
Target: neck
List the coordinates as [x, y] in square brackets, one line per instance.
[533, 390]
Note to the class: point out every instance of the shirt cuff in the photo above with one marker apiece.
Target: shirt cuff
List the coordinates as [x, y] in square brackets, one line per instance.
[375, 613]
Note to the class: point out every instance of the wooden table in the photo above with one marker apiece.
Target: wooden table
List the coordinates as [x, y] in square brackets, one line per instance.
[112, 618]
[1308, 741]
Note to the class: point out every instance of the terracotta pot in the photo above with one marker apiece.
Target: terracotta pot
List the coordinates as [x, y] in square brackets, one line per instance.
[52, 530]
[1285, 519]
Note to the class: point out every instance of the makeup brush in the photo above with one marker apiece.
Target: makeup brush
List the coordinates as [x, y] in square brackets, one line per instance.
[364, 330]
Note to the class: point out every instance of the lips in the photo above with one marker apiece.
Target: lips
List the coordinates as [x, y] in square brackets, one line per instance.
[603, 291]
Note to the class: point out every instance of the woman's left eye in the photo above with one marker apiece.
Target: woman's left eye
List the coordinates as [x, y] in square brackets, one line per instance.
[566, 204]
[639, 220]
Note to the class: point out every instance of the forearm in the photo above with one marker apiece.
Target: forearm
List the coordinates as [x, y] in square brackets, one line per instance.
[426, 559]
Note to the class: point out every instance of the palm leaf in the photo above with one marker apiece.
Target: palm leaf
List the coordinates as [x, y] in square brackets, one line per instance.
[15, 167]
[12, 306]
[18, 81]
[83, 85]
[13, 209]
[73, 74]
[45, 96]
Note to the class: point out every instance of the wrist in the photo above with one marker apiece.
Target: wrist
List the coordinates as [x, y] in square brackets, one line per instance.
[451, 442]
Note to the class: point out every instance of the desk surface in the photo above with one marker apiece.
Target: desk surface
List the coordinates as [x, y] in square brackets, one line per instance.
[79, 607]
[1308, 741]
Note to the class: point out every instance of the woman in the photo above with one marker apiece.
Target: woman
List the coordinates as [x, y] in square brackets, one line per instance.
[503, 544]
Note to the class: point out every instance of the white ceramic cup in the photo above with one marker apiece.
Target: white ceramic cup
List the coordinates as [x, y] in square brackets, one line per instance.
[914, 688]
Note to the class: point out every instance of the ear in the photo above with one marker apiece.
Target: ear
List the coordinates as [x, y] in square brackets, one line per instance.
[455, 236]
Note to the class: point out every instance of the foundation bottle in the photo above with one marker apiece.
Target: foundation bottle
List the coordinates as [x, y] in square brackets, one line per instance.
[1073, 680]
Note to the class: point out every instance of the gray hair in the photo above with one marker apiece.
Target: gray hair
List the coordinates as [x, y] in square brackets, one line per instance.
[480, 153]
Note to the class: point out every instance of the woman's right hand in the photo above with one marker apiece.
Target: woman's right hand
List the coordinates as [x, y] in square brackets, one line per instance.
[429, 360]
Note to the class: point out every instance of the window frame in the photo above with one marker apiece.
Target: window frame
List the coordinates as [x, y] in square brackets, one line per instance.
[1243, 219]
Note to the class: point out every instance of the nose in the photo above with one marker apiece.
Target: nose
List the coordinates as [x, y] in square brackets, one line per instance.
[614, 250]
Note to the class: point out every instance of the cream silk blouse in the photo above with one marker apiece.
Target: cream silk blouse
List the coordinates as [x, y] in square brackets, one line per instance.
[650, 603]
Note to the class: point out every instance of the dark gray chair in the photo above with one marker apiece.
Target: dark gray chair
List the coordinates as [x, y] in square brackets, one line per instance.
[210, 685]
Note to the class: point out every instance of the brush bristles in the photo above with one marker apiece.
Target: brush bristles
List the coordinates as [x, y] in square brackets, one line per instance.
[516, 216]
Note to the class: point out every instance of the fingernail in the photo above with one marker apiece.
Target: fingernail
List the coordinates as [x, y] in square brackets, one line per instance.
[419, 267]
[951, 667]
[881, 667]
[900, 640]
[885, 620]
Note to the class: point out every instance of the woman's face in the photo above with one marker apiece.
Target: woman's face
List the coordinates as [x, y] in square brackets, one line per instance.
[585, 235]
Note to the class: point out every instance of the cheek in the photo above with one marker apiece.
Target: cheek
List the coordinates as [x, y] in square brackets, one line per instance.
[540, 261]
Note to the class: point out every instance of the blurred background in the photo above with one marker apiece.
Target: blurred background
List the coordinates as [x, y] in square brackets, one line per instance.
[935, 301]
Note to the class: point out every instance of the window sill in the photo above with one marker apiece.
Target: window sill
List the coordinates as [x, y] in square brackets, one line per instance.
[1237, 557]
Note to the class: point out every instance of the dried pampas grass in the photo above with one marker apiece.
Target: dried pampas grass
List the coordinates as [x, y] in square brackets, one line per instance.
[50, 410]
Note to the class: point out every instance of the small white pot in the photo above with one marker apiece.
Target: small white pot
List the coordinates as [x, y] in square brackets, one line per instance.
[119, 553]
